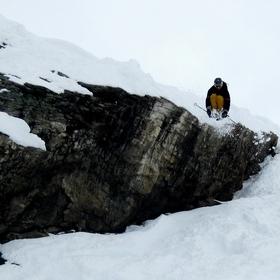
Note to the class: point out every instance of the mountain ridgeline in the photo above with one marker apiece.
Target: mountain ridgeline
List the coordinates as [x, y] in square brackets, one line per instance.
[114, 159]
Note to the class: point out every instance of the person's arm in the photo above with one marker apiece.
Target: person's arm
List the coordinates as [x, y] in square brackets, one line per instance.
[207, 100]
[226, 99]
[208, 103]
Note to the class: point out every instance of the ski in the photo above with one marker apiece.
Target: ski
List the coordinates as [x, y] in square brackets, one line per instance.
[195, 104]
[219, 201]
[217, 118]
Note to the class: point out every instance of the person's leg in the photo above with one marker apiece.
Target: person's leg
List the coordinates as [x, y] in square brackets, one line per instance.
[213, 101]
[220, 102]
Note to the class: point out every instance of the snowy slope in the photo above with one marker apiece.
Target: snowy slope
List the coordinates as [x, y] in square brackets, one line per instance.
[29, 58]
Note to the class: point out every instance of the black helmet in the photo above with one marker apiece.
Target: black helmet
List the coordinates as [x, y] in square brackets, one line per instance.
[218, 83]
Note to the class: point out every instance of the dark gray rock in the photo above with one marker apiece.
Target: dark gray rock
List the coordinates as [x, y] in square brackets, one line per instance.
[2, 260]
[3, 45]
[114, 159]
[44, 79]
[60, 74]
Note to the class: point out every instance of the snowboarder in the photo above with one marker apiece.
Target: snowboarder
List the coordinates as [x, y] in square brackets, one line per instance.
[218, 99]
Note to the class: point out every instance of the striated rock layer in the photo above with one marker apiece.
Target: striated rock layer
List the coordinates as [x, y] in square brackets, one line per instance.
[113, 159]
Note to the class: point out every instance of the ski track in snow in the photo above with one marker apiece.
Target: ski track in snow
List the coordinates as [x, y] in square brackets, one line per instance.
[235, 240]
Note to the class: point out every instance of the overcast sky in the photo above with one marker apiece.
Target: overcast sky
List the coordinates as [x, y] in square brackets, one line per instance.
[180, 42]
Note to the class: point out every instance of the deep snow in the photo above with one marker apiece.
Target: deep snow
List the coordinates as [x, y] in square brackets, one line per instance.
[235, 240]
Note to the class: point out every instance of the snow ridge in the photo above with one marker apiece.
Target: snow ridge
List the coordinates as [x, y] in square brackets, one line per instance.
[29, 58]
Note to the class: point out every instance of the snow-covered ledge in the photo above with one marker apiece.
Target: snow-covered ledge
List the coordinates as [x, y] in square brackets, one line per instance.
[19, 131]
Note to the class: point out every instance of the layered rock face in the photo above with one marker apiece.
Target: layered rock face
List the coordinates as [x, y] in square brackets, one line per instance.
[113, 159]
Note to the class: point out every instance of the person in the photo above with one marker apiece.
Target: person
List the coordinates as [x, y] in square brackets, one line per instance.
[218, 98]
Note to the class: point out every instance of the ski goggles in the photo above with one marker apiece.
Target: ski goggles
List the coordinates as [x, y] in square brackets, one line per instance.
[218, 85]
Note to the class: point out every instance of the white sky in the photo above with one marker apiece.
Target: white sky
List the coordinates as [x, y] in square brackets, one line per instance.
[180, 42]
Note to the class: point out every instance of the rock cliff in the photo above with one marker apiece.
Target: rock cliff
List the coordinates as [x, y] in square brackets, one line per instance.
[114, 159]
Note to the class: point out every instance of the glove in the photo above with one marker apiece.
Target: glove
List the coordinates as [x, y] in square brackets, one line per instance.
[208, 109]
[224, 114]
